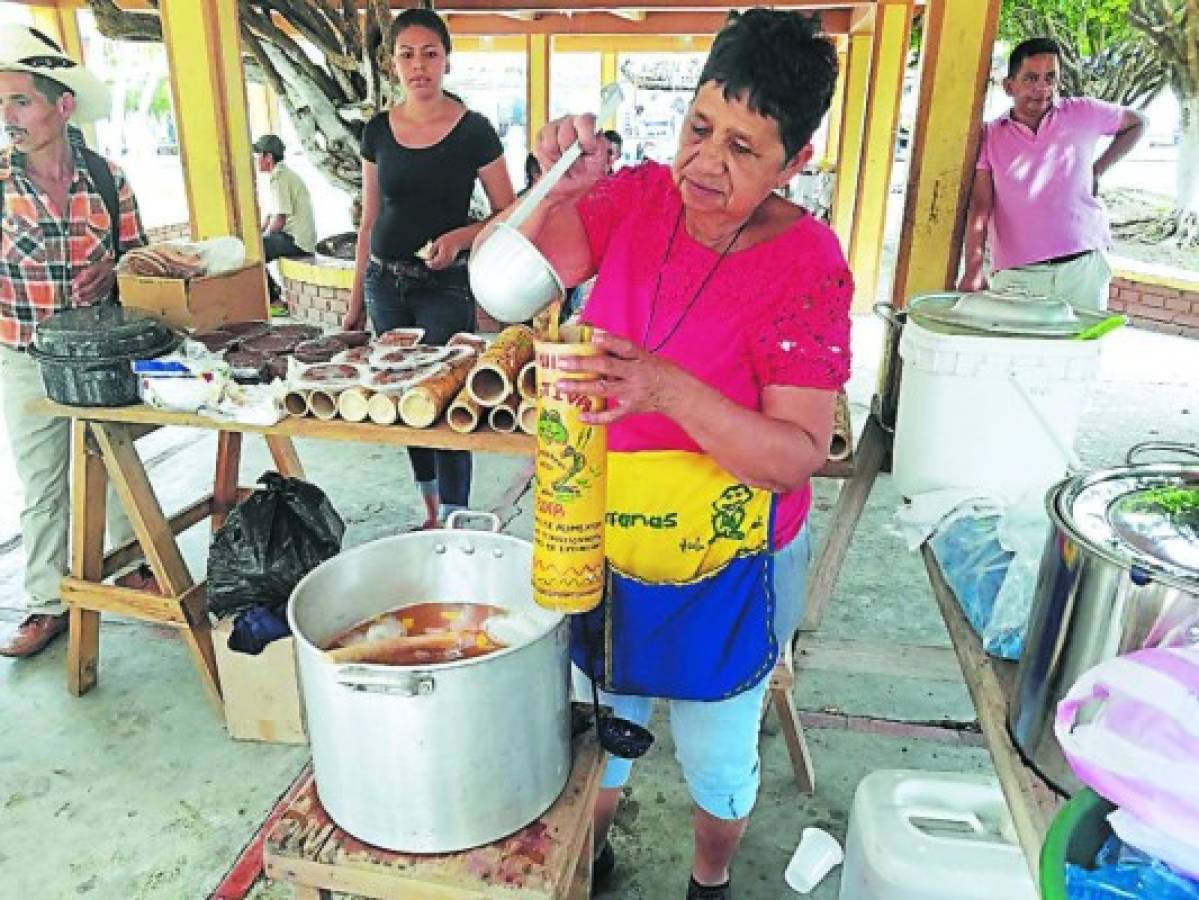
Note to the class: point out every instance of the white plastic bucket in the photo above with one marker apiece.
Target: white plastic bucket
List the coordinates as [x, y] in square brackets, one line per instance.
[962, 422]
[932, 836]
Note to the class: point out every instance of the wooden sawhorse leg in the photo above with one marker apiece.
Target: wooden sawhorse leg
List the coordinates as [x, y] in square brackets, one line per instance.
[88, 488]
[181, 601]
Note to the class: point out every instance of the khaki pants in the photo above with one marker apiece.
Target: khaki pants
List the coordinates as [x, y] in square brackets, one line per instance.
[41, 450]
[1083, 281]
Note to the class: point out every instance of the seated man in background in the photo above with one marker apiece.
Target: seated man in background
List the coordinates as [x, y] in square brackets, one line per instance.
[289, 228]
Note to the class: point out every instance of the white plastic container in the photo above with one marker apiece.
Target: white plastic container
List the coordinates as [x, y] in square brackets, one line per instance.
[932, 836]
[963, 424]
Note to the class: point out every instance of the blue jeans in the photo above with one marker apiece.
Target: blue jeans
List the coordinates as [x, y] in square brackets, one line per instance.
[716, 743]
[442, 305]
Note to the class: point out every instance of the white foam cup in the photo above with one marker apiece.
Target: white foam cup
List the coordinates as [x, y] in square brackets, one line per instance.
[818, 852]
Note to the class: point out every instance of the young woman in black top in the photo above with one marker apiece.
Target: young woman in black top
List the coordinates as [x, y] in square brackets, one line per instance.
[420, 160]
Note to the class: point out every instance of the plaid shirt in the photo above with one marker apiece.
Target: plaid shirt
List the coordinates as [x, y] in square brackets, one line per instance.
[40, 254]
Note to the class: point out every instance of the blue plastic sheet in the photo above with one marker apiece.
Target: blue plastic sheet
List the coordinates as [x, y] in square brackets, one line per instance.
[975, 565]
[1124, 873]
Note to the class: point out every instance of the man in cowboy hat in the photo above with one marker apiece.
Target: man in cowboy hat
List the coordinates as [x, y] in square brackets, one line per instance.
[68, 215]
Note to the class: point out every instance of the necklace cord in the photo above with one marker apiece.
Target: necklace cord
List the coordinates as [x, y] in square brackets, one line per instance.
[649, 325]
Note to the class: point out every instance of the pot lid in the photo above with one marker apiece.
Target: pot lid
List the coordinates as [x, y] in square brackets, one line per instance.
[1143, 516]
[102, 331]
[1002, 314]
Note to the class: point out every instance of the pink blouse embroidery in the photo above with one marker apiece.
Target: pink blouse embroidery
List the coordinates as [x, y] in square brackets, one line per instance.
[776, 313]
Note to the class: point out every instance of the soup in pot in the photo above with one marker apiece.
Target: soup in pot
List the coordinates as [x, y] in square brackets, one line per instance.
[462, 625]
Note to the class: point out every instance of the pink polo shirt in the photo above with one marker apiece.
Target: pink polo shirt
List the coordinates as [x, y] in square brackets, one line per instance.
[776, 313]
[1044, 206]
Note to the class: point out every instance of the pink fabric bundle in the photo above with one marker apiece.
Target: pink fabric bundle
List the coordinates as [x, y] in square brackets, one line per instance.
[1130, 729]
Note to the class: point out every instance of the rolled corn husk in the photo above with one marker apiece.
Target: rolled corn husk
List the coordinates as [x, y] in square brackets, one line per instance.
[296, 402]
[464, 413]
[842, 443]
[526, 416]
[323, 403]
[526, 382]
[494, 375]
[422, 404]
[502, 418]
[383, 409]
[352, 404]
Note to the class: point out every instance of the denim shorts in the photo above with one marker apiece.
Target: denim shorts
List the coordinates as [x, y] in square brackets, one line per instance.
[716, 743]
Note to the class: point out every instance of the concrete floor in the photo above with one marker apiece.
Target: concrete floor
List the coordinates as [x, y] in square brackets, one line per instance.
[134, 791]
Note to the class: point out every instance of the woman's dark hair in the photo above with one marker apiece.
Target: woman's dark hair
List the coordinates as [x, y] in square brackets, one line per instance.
[532, 170]
[422, 18]
[780, 65]
[1037, 46]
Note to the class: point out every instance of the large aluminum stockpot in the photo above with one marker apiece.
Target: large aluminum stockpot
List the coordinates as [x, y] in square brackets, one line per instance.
[436, 758]
[1120, 572]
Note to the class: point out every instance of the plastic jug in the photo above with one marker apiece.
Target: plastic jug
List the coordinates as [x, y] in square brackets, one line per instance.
[932, 836]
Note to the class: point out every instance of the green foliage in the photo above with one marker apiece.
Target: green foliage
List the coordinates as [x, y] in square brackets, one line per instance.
[1088, 23]
[1103, 55]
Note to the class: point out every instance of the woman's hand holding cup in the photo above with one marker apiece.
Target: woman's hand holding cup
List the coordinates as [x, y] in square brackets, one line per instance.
[630, 379]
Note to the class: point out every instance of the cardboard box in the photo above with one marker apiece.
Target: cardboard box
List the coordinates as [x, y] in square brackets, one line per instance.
[202, 303]
[262, 693]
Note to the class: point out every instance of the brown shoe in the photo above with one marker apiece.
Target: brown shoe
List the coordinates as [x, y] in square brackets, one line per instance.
[34, 635]
[140, 579]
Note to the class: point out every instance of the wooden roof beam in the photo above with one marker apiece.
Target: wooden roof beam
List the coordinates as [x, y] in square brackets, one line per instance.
[576, 6]
[668, 23]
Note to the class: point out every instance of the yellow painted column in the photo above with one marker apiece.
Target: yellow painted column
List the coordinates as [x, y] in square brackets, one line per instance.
[208, 86]
[958, 39]
[608, 67]
[849, 144]
[889, 61]
[538, 87]
[59, 21]
[832, 143]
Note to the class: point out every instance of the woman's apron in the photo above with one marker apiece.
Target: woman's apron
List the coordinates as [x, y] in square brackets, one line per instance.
[689, 608]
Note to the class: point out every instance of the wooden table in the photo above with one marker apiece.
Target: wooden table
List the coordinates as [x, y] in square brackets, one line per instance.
[102, 450]
[991, 682]
[548, 860]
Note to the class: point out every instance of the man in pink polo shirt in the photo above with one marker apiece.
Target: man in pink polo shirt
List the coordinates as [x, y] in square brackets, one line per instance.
[1036, 184]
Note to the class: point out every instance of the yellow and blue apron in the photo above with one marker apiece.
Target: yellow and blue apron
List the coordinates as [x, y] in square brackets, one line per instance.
[689, 608]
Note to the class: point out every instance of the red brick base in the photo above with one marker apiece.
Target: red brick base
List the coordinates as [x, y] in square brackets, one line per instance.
[1170, 310]
[327, 306]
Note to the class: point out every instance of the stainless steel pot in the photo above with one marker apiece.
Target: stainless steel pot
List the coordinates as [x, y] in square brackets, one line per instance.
[1119, 573]
[443, 757]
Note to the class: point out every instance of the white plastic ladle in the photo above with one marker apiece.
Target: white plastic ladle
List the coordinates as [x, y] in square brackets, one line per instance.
[610, 98]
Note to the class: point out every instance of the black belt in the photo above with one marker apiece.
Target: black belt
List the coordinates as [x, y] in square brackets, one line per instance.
[415, 268]
[1069, 257]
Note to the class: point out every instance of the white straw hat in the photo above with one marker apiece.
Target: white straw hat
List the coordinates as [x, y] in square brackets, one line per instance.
[25, 49]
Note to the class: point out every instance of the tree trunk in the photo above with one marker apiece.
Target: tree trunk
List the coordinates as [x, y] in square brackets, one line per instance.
[327, 93]
[1186, 211]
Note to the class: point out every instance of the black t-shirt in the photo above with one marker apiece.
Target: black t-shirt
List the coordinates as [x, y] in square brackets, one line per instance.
[425, 192]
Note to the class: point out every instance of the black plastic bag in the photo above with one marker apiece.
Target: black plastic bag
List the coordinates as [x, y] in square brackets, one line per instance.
[270, 541]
